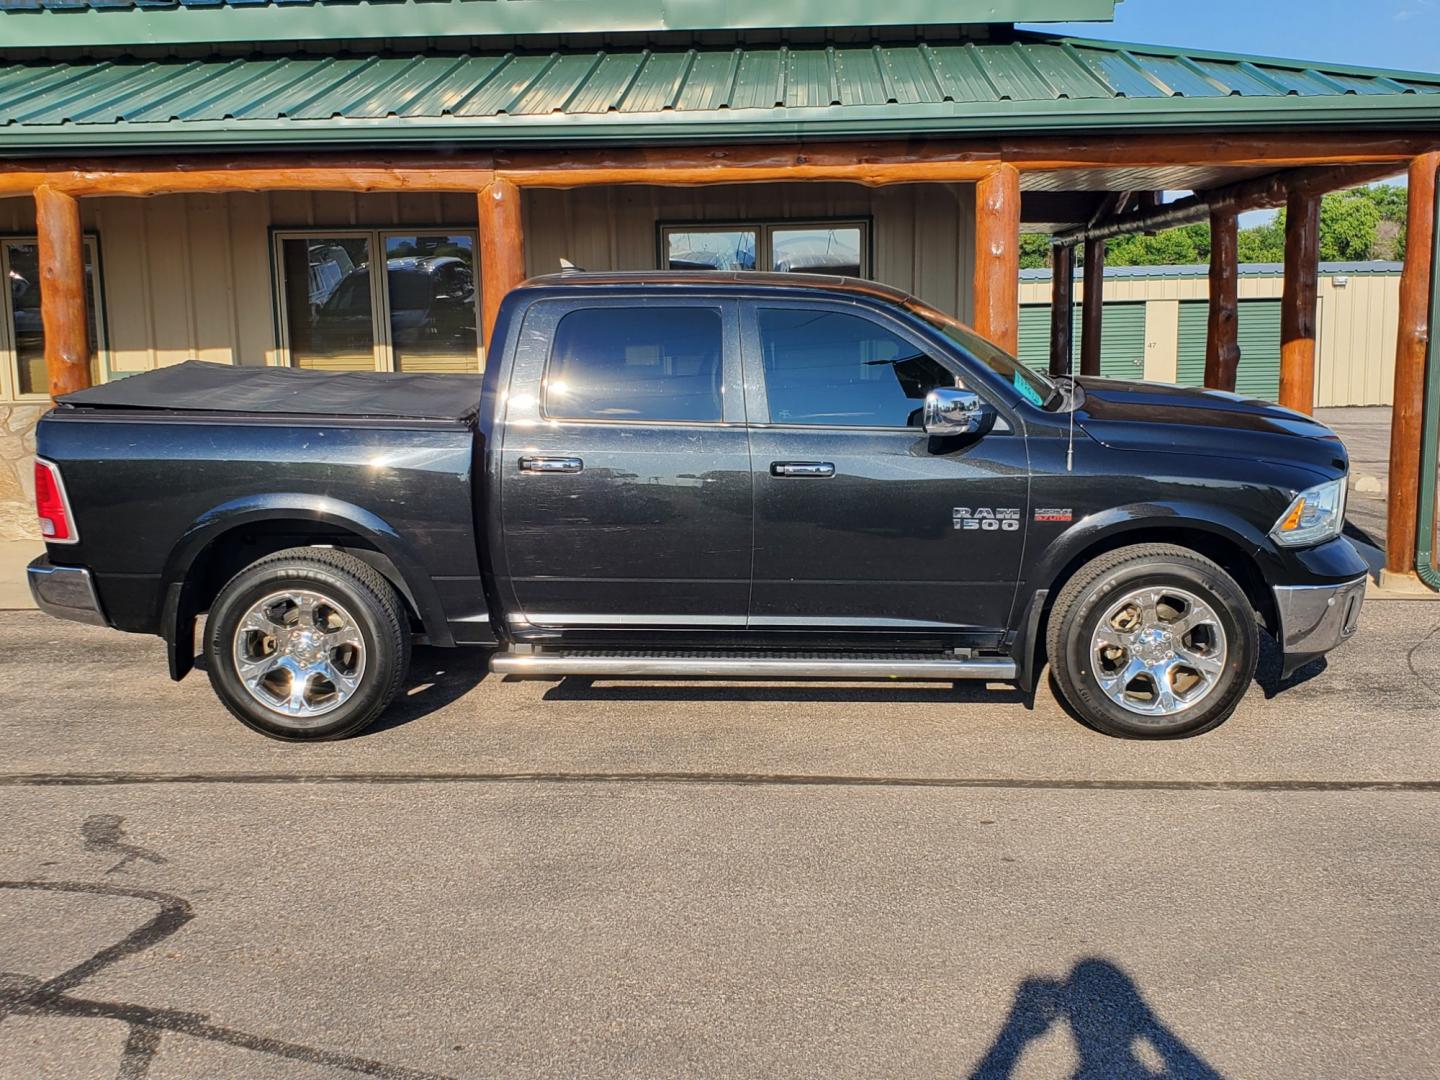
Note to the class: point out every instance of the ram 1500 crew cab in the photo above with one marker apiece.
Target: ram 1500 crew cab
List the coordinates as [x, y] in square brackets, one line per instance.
[701, 474]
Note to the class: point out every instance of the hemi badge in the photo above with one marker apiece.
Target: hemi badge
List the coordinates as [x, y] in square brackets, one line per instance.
[1054, 514]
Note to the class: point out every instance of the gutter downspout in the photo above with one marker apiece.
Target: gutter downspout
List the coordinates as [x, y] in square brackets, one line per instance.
[1425, 566]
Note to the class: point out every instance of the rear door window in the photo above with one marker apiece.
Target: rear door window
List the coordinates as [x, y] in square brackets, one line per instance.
[637, 364]
[831, 369]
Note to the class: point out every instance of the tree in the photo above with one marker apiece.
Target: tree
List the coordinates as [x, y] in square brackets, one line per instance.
[1348, 224]
[1034, 251]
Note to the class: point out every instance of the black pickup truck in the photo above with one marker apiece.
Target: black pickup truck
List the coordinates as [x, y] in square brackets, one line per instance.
[701, 474]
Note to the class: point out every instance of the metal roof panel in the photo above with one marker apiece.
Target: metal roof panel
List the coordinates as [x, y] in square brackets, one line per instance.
[1036, 82]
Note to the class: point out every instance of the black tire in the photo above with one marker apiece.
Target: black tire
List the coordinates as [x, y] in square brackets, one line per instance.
[364, 594]
[1105, 581]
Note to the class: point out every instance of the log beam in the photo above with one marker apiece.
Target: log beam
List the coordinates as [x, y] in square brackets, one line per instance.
[1092, 311]
[867, 162]
[1263, 193]
[997, 258]
[1062, 310]
[502, 250]
[1297, 307]
[1222, 342]
[1414, 338]
[61, 250]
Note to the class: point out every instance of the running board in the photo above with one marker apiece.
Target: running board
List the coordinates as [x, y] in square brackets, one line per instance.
[677, 665]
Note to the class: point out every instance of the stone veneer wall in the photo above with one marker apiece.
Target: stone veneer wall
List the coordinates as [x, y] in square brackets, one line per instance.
[17, 471]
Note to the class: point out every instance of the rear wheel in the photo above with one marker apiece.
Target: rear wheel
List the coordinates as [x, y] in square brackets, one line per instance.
[307, 644]
[1153, 642]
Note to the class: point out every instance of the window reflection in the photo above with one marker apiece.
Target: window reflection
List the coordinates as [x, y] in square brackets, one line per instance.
[834, 369]
[706, 249]
[328, 305]
[822, 250]
[22, 271]
[432, 302]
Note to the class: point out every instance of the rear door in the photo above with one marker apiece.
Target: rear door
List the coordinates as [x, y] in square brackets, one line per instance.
[862, 521]
[625, 479]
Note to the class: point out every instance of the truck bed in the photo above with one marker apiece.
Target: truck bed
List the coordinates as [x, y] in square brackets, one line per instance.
[196, 386]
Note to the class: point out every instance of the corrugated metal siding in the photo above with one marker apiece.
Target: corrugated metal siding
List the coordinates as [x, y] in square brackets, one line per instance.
[922, 235]
[1259, 333]
[712, 83]
[1122, 338]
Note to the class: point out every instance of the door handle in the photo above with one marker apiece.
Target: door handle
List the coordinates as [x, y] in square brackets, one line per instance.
[551, 464]
[802, 468]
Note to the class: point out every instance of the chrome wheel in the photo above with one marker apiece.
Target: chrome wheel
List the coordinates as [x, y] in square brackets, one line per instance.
[1158, 651]
[299, 653]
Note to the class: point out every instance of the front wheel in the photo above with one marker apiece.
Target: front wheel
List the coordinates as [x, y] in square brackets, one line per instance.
[307, 644]
[1153, 642]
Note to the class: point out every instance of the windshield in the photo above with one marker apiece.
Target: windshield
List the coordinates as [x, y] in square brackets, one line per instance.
[1031, 385]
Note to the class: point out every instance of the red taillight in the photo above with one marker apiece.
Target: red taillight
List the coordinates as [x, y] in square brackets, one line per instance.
[56, 523]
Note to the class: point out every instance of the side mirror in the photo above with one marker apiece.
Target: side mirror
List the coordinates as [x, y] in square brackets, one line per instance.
[949, 411]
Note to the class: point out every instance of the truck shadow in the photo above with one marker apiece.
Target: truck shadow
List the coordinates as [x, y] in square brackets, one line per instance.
[1117, 1036]
[438, 678]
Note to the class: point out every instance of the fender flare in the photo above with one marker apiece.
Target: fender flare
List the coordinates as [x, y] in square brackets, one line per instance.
[1176, 516]
[180, 609]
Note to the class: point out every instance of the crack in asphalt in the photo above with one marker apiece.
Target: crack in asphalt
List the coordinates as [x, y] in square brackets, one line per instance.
[1410, 660]
[122, 779]
[51, 997]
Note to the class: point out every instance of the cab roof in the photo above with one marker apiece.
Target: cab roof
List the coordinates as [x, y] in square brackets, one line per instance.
[728, 280]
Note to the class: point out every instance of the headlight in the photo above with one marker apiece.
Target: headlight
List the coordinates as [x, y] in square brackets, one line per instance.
[1315, 516]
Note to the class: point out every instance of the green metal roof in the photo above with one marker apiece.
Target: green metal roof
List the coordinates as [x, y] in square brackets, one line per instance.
[80, 23]
[1034, 83]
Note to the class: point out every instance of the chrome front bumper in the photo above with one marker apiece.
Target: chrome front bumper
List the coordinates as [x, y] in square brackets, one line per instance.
[1316, 618]
[67, 592]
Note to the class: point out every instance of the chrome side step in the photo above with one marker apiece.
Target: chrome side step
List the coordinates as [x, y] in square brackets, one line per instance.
[679, 665]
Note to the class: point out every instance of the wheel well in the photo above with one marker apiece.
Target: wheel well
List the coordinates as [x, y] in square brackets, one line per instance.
[1229, 555]
[232, 551]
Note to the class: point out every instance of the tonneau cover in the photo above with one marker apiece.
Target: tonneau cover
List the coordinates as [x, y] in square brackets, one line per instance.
[197, 386]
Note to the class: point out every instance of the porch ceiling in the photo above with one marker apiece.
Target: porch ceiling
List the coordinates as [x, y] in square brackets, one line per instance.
[1035, 83]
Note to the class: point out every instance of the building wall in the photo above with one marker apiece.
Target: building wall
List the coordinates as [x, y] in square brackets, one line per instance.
[922, 235]
[1355, 342]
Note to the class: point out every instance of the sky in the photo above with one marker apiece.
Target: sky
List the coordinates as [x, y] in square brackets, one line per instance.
[1403, 34]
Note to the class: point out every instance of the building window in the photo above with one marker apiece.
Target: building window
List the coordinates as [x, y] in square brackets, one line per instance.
[420, 315]
[810, 247]
[22, 337]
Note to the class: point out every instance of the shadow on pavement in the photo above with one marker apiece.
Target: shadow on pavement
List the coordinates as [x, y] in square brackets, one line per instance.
[1267, 671]
[1117, 1035]
[438, 677]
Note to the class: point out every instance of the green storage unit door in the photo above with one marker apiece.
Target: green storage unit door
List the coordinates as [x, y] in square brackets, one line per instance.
[1122, 346]
[1258, 375]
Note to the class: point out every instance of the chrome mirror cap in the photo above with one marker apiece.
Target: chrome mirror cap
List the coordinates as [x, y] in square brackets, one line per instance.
[949, 411]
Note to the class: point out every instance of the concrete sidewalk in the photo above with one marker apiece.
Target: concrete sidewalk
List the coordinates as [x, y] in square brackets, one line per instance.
[14, 555]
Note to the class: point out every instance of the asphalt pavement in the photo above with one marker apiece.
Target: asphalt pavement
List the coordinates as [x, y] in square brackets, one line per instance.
[641, 879]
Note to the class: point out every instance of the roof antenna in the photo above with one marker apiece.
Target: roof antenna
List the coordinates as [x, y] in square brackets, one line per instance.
[568, 267]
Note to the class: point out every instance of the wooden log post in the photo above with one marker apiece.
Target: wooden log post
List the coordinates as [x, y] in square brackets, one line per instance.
[997, 258]
[1414, 338]
[1222, 342]
[1297, 315]
[502, 250]
[61, 249]
[1092, 311]
[1062, 310]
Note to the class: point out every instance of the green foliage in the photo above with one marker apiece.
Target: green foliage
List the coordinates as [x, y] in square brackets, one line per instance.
[1173, 247]
[1034, 251]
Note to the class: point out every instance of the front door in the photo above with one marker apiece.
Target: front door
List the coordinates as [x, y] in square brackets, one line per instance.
[625, 482]
[862, 521]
